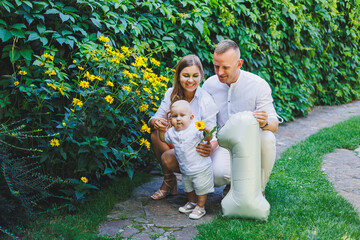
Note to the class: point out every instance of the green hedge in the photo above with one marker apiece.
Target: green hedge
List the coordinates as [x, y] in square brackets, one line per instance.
[308, 51]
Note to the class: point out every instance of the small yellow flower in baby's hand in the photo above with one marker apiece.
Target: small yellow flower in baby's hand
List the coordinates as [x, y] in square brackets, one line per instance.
[200, 125]
[84, 180]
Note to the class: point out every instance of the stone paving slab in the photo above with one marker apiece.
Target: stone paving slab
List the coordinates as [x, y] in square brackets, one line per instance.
[343, 169]
[161, 219]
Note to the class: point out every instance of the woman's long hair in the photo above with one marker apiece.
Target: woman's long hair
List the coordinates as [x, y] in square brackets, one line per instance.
[178, 90]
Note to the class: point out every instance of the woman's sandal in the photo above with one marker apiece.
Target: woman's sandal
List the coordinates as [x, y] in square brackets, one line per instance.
[171, 182]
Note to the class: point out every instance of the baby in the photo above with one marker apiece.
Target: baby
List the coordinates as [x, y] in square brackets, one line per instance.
[197, 173]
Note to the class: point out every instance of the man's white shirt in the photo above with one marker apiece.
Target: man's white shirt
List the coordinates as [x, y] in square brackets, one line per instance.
[249, 93]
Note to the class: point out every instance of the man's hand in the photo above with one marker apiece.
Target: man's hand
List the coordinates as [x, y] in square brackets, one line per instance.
[262, 117]
[270, 124]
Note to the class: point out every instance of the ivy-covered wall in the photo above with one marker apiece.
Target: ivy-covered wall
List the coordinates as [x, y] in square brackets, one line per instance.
[307, 50]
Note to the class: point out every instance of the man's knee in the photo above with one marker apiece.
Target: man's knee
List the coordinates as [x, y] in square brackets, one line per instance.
[268, 138]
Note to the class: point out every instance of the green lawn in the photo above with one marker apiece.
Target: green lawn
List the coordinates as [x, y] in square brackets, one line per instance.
[304, 204]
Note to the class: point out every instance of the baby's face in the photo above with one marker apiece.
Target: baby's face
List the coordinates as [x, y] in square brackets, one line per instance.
[180, 117]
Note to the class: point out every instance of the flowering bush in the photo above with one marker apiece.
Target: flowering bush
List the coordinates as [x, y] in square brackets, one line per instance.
[99, 104]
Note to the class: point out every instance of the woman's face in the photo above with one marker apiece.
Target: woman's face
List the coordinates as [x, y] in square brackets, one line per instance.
[190, 78]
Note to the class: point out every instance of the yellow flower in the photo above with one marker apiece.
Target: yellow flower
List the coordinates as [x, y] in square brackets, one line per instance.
[137, 92]
[84, 84]
[200, 125]
[155, 62]
[145, 142]
[104, 39]
[155, 109]
[74, 61]
[22, 72]
[64, 124]
[144, 127]
[50, 73]
[99, 78]
[54, 142]
[77, 102]
[61, 91]
[81, 68]
[134, 83]
[157, 98]
[49, 56]
[143, 107]
[109, 83]
[140, 62]
[41, 64]
[125, 50]
[109, 99]
[84, 179]
[16, 83]
[147, 90]
[72, 110]
[128, 74]
[51, 85]
[32, 85]
[126, 88]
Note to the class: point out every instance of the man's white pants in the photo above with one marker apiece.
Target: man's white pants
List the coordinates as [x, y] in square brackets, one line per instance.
[221, 161]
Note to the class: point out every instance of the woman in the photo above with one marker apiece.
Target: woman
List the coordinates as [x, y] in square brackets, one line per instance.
[189, 73]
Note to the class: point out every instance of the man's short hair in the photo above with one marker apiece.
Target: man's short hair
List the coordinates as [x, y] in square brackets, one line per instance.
[227, 44]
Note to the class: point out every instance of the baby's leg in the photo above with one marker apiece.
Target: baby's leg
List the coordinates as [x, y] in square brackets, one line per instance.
[201, 199]
[191, 196]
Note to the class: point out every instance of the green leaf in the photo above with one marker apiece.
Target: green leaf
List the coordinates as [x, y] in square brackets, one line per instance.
[7, 6]
[63, 154]
[5, 35]
[200, 25]
[44, 40]
[52, 11]
[28, 3]
[79, 195]
[61, 40]
[64, 17]
[17, 33]
[130, 172]
[26, 53]
[76, 28]
[18, 26]
[14, 55]
[96, 22]
[3, 22]
[66, 32]
[108, 170]
[33, 36]
[41, 28]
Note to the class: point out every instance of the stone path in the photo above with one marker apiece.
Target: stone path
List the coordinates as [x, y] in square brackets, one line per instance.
[143, 218]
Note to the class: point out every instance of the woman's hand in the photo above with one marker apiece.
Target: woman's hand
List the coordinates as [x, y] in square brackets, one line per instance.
[160, 123]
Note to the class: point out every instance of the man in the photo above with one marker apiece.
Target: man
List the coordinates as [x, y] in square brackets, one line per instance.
[234, 91]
